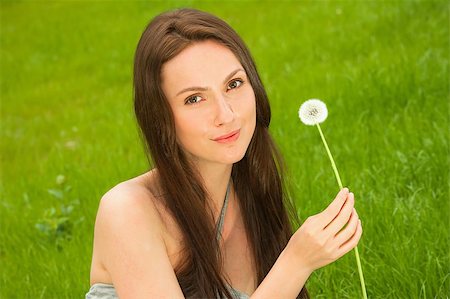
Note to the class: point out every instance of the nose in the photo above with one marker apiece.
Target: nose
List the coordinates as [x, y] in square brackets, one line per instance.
[224, 111]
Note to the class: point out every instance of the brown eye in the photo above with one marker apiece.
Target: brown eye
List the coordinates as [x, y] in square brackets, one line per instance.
[235, 83]
[193, 99]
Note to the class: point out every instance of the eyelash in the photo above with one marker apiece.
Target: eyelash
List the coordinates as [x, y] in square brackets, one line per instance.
[193, 96]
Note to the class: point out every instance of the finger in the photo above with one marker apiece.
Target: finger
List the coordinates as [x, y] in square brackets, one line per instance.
[350, 244]
[333, 209]
[342, 218]
[348, 231]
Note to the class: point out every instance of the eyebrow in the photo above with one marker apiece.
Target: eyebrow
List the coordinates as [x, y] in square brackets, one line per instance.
[206, 88]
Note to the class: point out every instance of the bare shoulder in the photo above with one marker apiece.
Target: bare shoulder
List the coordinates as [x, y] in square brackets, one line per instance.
[128, 198]
[129, 245]
[126, 214]
[128, 205]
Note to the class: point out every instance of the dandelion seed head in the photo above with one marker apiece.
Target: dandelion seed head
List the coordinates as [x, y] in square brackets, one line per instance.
[312, 112]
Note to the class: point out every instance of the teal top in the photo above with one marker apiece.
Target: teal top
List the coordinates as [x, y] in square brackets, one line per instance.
[107, 291]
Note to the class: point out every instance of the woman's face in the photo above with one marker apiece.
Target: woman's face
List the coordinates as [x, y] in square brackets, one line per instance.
[211, 97]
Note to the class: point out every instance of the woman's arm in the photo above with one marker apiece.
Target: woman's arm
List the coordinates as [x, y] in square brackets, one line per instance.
[321, 240]
[285, 280]
[129, 242]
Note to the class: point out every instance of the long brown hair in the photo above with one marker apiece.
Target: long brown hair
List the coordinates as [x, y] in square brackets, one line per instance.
[257, 178]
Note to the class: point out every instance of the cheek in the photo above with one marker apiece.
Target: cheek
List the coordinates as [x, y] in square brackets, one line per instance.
[252, 116]
[188, 126]
[249, 108]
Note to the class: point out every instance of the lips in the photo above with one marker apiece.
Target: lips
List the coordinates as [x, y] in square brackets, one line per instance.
[227, 136]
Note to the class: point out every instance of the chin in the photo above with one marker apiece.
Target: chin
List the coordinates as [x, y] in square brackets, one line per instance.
[231, 159]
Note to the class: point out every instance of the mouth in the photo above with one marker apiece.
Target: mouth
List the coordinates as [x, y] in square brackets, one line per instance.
[230, 137]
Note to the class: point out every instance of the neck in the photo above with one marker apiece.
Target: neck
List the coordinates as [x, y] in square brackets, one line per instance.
[216, 177]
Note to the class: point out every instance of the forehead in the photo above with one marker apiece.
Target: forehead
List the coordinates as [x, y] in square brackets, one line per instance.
[201, 64]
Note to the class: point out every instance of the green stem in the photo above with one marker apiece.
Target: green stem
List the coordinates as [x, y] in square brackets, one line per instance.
[338, 178]
[361, 277]
[336, 173]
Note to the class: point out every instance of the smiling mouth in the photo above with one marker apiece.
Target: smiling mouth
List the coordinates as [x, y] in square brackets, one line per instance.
[233, 136]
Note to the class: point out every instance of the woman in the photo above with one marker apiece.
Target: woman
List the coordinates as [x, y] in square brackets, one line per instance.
[211, 219]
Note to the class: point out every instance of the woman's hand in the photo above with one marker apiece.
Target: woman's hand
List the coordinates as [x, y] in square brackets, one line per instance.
[321, 239]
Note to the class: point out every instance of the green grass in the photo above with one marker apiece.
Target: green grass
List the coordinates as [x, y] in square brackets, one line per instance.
[381, 67]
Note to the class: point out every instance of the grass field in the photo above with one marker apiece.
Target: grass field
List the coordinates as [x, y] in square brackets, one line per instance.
[68, 132]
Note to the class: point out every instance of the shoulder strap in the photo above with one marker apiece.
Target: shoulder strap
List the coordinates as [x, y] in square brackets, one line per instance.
[222, 213]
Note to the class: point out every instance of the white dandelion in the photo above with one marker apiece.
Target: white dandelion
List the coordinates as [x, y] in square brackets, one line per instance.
[312, 112]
